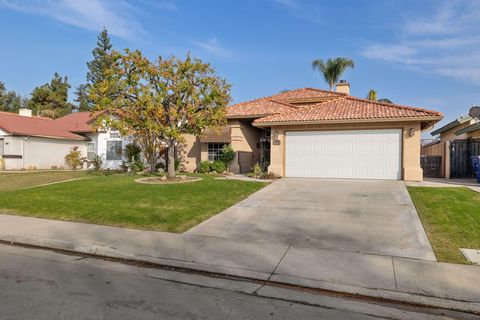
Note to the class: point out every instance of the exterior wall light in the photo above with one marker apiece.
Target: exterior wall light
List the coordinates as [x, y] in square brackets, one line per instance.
[275, 135]
[411, 132]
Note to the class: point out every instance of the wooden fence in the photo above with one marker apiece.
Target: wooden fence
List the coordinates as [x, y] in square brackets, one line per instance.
[432, 159]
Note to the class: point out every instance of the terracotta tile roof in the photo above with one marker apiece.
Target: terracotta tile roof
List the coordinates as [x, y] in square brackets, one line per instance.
[80, 122]
[350, 108]
[15, 124]
[280, 103]
[259, 108]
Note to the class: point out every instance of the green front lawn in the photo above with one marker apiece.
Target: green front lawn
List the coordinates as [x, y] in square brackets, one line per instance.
[117, 200]
[451, 217]
[18, 180]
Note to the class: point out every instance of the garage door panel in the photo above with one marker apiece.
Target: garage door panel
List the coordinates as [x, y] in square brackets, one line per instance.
[362, 154]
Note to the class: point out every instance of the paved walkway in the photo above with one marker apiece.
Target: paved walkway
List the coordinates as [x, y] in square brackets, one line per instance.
[416, 281]
[368, 216]
[446, 183]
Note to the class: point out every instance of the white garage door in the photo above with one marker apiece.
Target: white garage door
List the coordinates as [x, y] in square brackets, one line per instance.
[358, 154]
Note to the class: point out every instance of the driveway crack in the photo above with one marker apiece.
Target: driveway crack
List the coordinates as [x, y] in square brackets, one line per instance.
[394, 274]
[281, 259]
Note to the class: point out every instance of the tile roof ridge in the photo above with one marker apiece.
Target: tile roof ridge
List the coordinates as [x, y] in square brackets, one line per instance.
[394, 105]
[323, 102]
[334, 93]
[12, 114]
[284, 103]
[304, 108]
[271, 97]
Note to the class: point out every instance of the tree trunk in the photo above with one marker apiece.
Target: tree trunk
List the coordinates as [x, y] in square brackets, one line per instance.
[171, 160]
[152, 163]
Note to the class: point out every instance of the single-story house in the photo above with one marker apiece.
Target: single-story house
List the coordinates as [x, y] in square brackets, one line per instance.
[311, 132]
[455, 142]
[31, 142]
[305, 132]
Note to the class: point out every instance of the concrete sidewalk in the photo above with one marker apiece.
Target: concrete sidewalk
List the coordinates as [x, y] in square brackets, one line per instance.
[471, 184]
[400, 279]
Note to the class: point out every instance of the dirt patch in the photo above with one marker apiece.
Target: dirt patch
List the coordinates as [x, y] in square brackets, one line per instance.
[159, 180]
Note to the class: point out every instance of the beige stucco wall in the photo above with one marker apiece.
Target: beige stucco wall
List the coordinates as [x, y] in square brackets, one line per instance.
[39, 153]
[244, 138]
[189, 153]
[475, 134]
[411, 169]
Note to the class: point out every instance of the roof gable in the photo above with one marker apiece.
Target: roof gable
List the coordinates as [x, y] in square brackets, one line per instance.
[311, 104]
[80, 122]
[15, 124]
[348, 108]
[285, 101]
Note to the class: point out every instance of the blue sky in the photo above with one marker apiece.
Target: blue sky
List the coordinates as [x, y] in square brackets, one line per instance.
[421, 53]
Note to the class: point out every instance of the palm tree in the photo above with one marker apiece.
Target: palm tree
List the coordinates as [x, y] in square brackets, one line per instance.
[332, 69]
[372, 95]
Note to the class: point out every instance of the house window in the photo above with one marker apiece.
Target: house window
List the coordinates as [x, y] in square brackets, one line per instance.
[114, 135]
[215, 151]
[114, 150]
[91, 151]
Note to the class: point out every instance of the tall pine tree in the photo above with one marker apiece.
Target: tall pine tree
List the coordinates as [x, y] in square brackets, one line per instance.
[101, 61]
[82, 98]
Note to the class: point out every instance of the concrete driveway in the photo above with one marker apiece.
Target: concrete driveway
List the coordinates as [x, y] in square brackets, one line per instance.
[369, 216]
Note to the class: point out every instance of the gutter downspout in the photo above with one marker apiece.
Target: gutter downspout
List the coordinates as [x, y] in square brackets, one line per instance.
[23, 152]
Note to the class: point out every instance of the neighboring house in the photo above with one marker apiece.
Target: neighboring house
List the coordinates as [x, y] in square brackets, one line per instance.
[310, 132]
[29, 142]
[108, 144]
[456, 142]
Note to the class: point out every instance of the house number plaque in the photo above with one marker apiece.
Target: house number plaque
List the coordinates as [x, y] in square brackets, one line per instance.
[276, 142]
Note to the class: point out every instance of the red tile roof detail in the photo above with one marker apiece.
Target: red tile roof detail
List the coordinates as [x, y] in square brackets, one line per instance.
[80, 122]
[278, 103]
[15, 124]
[350, 108]
[259, 108]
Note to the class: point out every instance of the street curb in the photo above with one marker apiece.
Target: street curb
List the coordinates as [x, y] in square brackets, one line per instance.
[103, 251]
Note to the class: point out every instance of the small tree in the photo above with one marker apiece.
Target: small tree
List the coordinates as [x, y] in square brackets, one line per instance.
[73, 159]
[227, 154]
[157, 102]
[132, 152]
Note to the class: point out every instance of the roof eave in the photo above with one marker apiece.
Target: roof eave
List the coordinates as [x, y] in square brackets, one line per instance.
[257, 116]
[470, 128]
[7, 131]
[292, 123]
[451, 125]
[19, 134]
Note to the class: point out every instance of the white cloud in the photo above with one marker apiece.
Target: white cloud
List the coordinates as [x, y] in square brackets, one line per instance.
[85, 14]
[214, 46]
[302, 10]
[443, 43]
